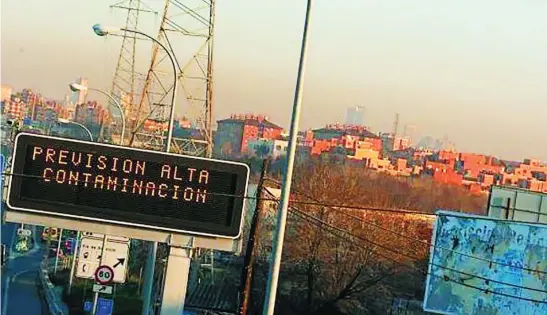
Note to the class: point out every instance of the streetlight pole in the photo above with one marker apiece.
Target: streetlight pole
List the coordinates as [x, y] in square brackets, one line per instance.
[153, 248]
[101, 31]
[77, 87]
[78, 124]
[275, 263]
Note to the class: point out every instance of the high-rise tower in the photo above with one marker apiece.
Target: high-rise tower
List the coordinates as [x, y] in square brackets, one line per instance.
[355, 115]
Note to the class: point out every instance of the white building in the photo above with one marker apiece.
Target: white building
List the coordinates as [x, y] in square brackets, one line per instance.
[267, 147]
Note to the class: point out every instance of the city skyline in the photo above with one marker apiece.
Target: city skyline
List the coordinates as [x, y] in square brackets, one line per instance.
[477, 76]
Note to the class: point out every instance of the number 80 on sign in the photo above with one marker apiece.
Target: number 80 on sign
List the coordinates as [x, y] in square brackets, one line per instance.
[104, 274]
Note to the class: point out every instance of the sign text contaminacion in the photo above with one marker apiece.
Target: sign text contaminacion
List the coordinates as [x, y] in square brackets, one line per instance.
[122, 174]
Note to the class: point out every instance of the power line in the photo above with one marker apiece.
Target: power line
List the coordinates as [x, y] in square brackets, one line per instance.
[406, 255]
[517, 210]
[446, 278]
[337, 208]
[368, 208]
[380, 209]
[426, 242]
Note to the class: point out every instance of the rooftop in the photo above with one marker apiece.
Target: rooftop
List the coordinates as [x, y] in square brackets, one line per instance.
[351, 130]
[249, 119]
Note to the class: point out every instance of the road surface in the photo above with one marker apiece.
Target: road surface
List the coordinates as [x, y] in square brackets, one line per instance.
[20, 277]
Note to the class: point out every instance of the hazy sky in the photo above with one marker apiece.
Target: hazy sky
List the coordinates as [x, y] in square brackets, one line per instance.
[474, 70]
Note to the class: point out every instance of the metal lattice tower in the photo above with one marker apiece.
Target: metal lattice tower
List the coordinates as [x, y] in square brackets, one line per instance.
[395, 129]
[186, 29]
[124, 84]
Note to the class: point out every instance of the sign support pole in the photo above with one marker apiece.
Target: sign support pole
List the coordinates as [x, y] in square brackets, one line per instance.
[176, 280]
[149, 277]
[57, 253]
[96, 297]
[74, 257]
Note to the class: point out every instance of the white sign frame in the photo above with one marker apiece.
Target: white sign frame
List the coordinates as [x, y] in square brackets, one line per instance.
[223, 244]
[103, 257]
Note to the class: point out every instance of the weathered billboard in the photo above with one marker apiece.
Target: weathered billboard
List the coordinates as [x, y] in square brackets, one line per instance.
[516, 204]
[482, 265]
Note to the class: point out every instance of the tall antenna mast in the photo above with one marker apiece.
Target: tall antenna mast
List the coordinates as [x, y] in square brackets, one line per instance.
[186, 29]
[395, 129]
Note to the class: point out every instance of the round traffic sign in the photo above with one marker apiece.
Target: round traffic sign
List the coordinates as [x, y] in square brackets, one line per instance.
[104, 274]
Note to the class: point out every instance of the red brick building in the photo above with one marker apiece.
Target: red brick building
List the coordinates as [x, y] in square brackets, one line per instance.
[233, 134]
[348, 136]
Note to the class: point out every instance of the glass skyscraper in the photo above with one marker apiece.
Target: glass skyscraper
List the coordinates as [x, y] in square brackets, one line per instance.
[355, 115]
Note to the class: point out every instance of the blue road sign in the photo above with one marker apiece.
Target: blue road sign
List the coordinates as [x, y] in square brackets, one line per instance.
[104, 306]
[88, 305]
[27, 121]
[69, 246]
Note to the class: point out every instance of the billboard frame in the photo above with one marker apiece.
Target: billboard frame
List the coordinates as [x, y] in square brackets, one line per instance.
[433, 245]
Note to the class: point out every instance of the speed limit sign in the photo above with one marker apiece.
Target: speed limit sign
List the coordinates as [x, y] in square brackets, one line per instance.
[104, 274]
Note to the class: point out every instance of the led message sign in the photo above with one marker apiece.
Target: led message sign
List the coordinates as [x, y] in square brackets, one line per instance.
[127, 186]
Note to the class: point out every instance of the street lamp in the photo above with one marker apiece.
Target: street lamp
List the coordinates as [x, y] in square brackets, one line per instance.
[277, 250]
[102, 30]
[75, 87]
[66, 121]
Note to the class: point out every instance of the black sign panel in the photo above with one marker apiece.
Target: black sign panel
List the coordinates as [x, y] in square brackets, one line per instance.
[126, 186]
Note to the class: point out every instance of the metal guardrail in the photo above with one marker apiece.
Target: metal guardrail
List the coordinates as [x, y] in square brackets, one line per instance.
[54, 303]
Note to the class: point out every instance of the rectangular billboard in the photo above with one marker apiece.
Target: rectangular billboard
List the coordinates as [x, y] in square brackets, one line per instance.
[517, 204]
[127, 186]
[481, 265]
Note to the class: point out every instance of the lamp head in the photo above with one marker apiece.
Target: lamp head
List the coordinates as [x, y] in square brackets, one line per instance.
[104, 30]
[75, 87]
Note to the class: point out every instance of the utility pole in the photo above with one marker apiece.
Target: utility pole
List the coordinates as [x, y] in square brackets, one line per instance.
[248, 263]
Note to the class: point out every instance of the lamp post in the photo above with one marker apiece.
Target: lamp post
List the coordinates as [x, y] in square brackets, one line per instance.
[66, 121]
[74, 87]
[105, 30]
[101, 30]
[275, 262]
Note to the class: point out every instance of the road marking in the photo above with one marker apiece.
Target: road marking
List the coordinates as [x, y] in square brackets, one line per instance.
[8, 281]
[5, 300]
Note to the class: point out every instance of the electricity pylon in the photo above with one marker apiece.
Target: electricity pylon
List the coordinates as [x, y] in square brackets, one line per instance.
[125, 82]
[186, 30]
